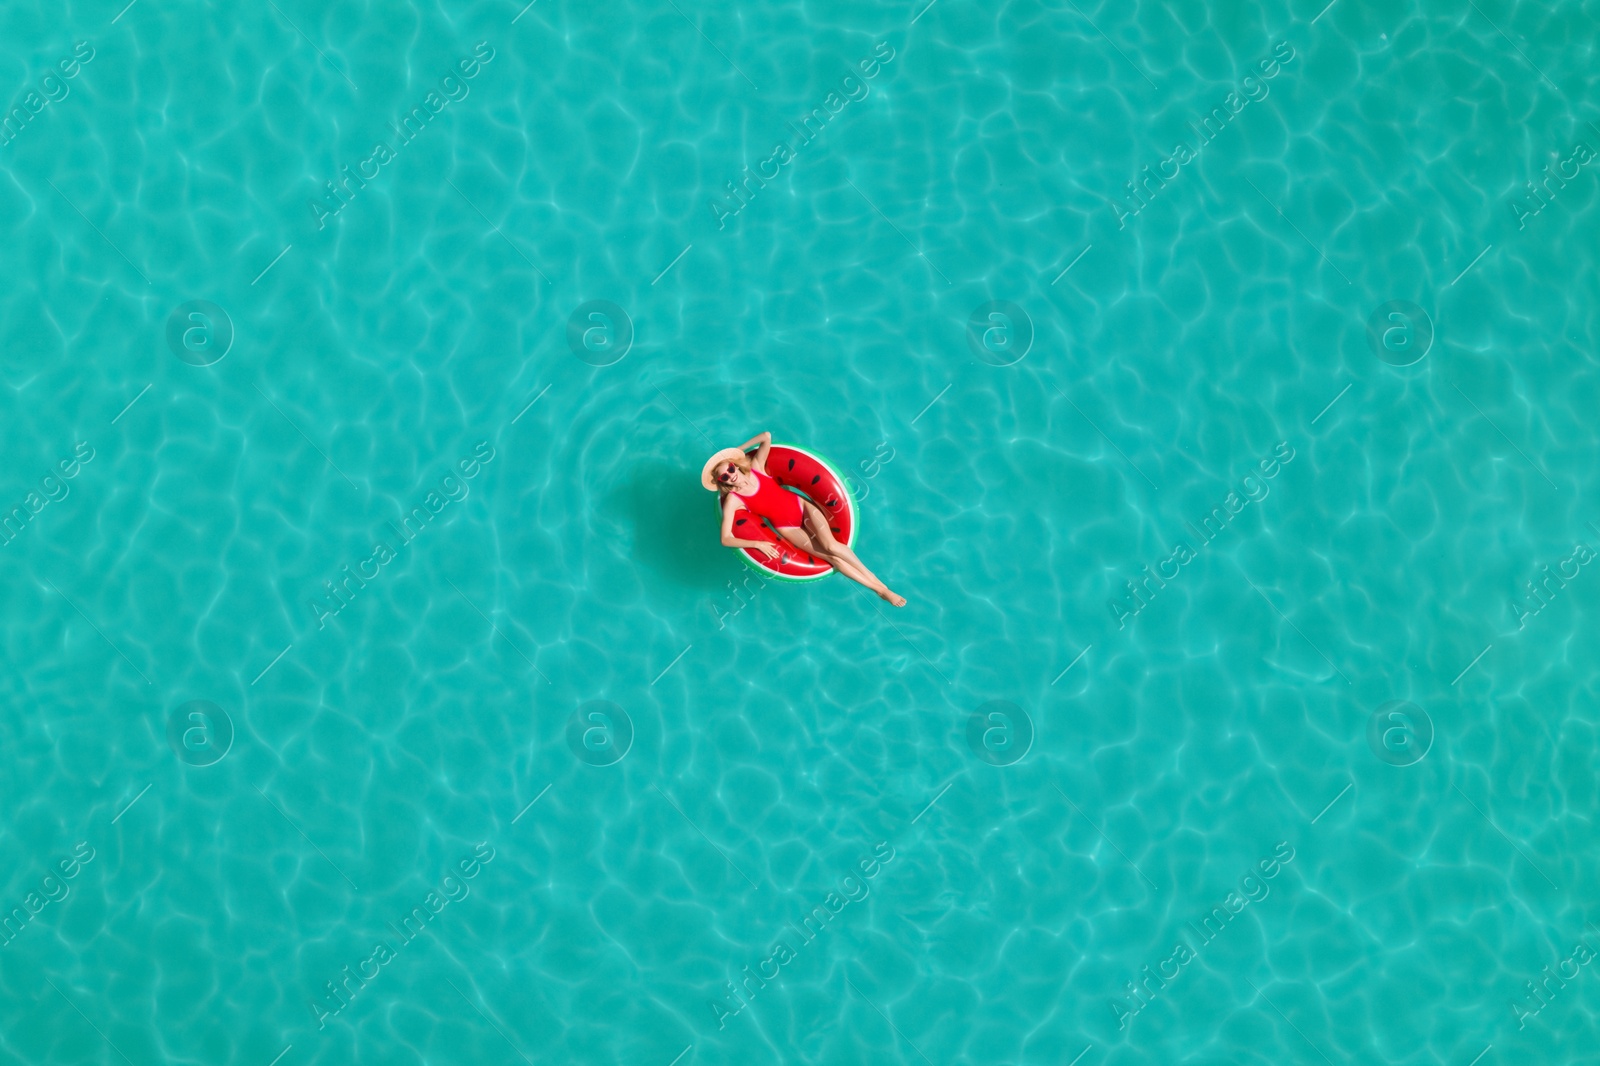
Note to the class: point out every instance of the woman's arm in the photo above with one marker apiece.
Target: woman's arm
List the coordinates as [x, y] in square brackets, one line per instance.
[763, 443]
[729, 508]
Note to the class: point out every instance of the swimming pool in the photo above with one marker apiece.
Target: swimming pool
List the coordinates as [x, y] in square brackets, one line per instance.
[1214, 384]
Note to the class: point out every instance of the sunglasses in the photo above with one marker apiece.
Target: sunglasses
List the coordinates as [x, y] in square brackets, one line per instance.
[728, 476]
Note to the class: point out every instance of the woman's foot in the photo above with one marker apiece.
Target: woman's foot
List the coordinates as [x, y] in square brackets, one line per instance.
[893, 597]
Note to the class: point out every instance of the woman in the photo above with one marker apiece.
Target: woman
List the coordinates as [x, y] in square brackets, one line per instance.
[743, 481]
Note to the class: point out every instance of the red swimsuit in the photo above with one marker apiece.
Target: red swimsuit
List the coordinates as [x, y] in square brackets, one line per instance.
[775, 503]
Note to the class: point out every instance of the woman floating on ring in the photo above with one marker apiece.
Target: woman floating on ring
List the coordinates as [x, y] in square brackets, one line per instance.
[744, 482]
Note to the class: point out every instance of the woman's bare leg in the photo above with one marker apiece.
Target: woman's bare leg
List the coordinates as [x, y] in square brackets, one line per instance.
[803, 540]
[839, 554]
[854, 571]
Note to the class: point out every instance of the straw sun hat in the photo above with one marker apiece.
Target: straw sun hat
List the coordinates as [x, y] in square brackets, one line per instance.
[707, 473]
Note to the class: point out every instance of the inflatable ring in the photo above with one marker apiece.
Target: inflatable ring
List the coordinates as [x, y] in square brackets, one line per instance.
[809, 474]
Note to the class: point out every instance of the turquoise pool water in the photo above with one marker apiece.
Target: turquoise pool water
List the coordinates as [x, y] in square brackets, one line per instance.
[377, 690]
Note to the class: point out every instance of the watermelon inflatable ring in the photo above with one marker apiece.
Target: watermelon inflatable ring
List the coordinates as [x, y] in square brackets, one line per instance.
[809, 474]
